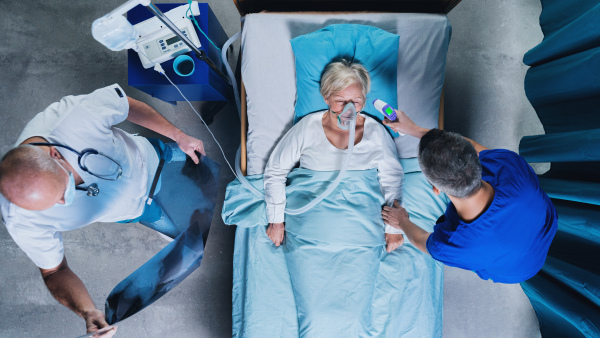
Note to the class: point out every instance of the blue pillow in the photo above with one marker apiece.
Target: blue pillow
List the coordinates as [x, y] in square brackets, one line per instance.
[374, 48]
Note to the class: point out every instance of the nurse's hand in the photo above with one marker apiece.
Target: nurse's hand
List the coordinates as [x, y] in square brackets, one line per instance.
[188, 144]
[276, 232]
[405, 125]
[395, 216]
[393, 241]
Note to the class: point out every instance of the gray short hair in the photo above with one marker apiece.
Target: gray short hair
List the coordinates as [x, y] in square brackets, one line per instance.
[23, 161]
[337, 76]
[450, 163]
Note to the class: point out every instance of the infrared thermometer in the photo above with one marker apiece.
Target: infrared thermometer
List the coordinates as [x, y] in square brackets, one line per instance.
[386, 110]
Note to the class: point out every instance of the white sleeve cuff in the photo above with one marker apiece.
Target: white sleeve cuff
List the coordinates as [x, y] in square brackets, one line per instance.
[391, 230]
[275, 213]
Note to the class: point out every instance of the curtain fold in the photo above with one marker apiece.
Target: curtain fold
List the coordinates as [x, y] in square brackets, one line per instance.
[577, 279]
[560, 80]
[567, 39]
[563, 85]
[578, 219]
[564, 314]
[571, 190]
[562, 147]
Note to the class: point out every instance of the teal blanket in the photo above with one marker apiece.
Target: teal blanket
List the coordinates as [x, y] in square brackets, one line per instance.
[332, 277]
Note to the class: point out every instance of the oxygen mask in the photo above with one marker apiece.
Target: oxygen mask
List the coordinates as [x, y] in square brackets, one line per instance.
[345, 118]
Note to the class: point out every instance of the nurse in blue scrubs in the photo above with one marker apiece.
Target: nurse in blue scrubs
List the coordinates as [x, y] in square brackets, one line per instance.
[499, 223]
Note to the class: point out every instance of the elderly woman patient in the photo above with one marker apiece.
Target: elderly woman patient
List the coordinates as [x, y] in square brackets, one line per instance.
[317, 143]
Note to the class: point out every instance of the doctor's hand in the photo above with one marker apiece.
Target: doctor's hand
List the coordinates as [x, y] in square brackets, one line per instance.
[96, 322]
[395, 216]
[188, 144]
[276, 232]
[393, 241]
[405, 125]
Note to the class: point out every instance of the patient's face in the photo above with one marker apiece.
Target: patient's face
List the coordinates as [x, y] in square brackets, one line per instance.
[352, 94]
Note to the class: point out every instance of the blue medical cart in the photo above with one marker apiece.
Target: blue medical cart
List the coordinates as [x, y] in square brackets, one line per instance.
[203, 85]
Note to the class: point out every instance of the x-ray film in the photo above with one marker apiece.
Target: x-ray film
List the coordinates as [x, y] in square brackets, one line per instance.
[188, 196]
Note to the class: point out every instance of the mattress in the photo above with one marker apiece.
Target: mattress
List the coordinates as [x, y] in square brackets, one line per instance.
[268, 72]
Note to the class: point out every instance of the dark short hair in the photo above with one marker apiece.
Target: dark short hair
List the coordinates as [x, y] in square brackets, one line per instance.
[450, 163]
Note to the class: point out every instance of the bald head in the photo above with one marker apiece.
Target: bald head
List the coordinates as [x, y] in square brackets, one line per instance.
[31, 178]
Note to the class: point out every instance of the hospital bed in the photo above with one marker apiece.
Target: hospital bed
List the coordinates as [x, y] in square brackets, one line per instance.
[268, 94]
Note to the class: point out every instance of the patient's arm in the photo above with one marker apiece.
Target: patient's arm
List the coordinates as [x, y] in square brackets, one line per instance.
[283, 158]
[391, 175]
[397, 217]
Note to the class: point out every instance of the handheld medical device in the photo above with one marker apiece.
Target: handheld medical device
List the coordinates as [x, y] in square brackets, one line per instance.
[385, 109]
[159, 43]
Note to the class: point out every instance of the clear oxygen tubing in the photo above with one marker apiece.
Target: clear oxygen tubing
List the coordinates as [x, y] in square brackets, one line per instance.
[341, 173]
[238, 172]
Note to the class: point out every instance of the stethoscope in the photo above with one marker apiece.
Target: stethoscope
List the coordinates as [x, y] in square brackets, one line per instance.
[92, 189]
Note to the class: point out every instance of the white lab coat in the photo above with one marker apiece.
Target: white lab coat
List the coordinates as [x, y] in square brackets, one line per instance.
[84, 121]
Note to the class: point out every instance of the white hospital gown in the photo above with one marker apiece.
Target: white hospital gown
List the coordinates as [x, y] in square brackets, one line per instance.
[307, 144]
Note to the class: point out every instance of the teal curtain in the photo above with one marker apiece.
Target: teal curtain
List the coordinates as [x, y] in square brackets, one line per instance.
[563, 85]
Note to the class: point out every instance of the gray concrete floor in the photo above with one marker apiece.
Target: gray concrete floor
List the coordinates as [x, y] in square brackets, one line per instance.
[485, 101]
[47, 52]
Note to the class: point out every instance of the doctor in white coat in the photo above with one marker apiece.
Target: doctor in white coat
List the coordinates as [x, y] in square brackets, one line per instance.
[43, 187]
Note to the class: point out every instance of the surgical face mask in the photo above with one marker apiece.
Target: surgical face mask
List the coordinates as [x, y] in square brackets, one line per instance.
[69, 196]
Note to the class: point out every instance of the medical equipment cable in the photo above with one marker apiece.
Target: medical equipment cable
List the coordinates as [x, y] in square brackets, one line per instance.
[236, 94]
[193, 19]
[242, 179]
[240, 176]
[237, 172]
[159, 69]
[332, 186]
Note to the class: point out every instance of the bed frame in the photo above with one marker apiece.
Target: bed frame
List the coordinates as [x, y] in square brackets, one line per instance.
[388, 6]
[397, 6]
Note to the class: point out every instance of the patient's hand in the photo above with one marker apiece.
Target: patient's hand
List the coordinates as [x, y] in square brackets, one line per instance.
[393, 241]
[276, 232]
[405, 125]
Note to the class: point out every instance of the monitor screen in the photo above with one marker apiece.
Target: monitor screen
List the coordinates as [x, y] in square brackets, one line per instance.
[173, 40]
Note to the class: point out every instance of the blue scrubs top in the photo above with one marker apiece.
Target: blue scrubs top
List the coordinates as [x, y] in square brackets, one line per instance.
[509, 242]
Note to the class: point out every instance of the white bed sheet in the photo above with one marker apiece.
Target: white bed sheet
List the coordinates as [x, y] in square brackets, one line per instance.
[268, 71]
